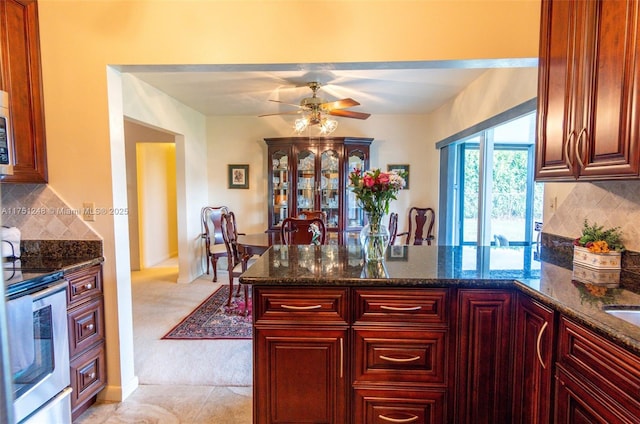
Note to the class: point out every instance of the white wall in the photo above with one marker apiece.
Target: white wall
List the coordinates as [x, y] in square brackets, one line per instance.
[146, 104]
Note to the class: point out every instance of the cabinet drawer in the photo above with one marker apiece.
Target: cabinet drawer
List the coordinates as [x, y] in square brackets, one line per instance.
[300, 305]
[401, 306]
[86, 326]
[612, 371]
[390, 356]
[88, 375]
[399, 406]
[84, 284]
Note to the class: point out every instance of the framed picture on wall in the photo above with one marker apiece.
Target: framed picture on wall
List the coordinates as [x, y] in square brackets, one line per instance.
[399, 168]
[398, 253]
[238, 176]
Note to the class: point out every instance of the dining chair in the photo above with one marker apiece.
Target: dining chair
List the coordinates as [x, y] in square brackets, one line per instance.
[235, 264]
[212, 234]
[301, 231]
[420, 230]
[393, 228]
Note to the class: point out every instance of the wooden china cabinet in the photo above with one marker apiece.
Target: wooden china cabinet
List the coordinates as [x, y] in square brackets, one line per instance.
[588, 91]
[312, 173]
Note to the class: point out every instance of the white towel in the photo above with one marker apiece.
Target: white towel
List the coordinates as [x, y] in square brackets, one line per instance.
[10, 242]
[20, 331]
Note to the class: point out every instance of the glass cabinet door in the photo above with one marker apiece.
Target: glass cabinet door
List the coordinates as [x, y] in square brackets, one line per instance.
[306, 181]
[330, 187]
[280, 184]
[356, 159]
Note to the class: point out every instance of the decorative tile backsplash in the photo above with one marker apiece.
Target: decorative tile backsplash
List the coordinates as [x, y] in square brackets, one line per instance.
[40, 214]
[607, 203]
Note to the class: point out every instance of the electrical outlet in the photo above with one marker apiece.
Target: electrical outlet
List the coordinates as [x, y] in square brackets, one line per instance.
[89, 211]
[553, 203]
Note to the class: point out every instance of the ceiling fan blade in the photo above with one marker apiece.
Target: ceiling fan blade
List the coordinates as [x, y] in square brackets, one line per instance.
[293, 112]
[284, 103]
[340, 104]
[349, 114]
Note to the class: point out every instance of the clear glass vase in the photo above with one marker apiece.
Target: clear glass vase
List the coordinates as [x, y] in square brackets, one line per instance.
[374, 238]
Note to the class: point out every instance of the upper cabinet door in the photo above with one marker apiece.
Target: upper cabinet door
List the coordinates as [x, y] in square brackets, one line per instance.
[588, 89]
[20, 76]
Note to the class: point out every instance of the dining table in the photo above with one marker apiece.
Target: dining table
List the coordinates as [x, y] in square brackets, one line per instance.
[257, 243]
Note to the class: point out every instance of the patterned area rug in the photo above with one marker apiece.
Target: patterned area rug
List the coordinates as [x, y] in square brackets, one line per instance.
[213, 319]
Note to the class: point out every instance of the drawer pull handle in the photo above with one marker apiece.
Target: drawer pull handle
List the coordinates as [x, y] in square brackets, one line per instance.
[390, 359]
[90, 376]
[399, 420]
[89, 327]
[544, 327]
[301, 308]
[88, 286]
[396, 308]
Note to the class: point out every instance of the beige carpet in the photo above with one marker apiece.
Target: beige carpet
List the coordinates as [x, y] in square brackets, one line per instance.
[158, 304]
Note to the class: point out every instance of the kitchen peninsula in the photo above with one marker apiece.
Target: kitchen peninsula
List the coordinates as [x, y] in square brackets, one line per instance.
[437, 334]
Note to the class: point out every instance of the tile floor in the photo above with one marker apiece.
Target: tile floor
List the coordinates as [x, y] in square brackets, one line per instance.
[181, 381]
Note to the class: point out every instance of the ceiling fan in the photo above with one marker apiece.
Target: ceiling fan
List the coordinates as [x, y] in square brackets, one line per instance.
[315, 107]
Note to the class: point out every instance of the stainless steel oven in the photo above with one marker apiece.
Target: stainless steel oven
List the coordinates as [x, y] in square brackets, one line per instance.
[38, 347]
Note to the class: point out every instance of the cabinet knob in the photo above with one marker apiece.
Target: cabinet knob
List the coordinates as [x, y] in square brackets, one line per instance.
[89, 327]
[90, 375]
[88, 286]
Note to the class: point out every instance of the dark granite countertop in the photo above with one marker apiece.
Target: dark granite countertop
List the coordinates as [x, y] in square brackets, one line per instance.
[550, 281]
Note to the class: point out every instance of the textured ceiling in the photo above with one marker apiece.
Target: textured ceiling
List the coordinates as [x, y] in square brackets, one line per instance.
[380, 88]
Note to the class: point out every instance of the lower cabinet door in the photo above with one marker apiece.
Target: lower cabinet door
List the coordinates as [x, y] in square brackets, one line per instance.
[88, 377]
[300, 375]
[576, 405]
[533, 370]
[385, 406]
[484, 357]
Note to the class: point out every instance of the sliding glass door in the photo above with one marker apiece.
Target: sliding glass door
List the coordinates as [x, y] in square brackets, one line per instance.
[497, 199]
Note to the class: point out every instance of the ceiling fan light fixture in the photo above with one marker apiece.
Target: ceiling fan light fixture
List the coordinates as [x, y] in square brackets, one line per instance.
[300, 125]
[328, 125]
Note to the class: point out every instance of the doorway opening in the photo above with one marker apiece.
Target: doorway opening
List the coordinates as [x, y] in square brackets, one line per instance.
[151, 196]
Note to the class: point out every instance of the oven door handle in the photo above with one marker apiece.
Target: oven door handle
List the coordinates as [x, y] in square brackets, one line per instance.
[56, 287]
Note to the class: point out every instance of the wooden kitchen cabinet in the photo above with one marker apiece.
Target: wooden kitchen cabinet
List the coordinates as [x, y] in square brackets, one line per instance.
[596, 380]
[301, 355]
[533, 369]
[484, 356]
[85, 320]
[311, 173]
[401, 355]
[20, 76]
[588, 91]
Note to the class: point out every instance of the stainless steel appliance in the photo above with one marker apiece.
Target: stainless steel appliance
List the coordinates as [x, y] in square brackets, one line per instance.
[38, 344]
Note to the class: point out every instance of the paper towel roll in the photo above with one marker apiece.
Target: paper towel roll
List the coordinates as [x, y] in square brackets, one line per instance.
[10, 242]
